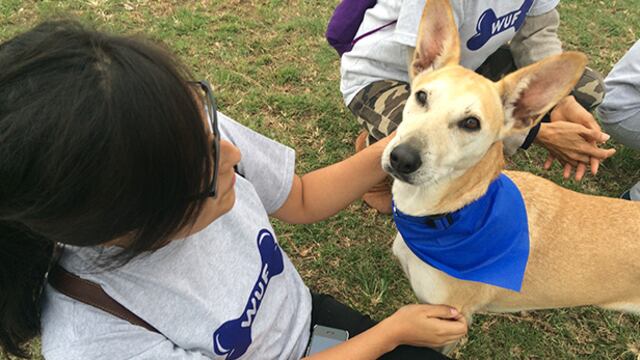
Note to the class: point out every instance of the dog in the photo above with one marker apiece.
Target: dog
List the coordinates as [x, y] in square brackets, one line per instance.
[448, 154]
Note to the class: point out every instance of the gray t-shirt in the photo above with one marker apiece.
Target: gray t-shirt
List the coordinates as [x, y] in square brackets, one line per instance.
[622, 90]
[226, 292]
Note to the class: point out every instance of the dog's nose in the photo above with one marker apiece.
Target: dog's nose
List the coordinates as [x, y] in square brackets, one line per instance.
[405, 159]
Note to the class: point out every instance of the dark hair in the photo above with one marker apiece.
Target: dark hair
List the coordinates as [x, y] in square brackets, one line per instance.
[100, 137]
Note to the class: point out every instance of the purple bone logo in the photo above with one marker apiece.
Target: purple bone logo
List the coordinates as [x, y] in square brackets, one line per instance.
[489, 25]
[233, 338]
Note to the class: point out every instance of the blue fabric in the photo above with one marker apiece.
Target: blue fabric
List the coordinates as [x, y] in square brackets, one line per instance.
[486, 241]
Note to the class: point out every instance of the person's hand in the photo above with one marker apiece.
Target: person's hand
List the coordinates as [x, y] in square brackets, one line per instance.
[426, 325]
[382, 143]
[574, 145]
[568, 109]
[579, 146]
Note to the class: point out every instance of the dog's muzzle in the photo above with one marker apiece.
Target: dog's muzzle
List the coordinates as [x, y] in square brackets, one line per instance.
[404, 160]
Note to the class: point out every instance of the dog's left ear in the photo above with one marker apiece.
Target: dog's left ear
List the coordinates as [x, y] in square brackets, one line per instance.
[531, 92]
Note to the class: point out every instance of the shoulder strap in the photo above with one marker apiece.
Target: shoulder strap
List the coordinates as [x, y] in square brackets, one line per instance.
[92, 294]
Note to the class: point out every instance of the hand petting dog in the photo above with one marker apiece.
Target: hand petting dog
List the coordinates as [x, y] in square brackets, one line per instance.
[427, 325]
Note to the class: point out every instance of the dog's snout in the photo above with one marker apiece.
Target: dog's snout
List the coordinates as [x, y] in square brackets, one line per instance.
[405, 159]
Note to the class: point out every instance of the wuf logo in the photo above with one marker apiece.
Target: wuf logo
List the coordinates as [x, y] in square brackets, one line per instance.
[233, 338]
[489, 25]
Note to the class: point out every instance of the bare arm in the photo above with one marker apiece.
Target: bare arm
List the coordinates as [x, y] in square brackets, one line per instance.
[371, 344]
[322, 193]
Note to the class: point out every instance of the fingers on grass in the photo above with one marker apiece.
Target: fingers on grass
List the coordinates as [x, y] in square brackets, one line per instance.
[566, 173]
[581, 169]
[595, 165]
[548, 162]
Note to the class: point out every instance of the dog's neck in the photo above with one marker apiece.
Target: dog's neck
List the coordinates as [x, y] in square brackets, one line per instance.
[453, 194]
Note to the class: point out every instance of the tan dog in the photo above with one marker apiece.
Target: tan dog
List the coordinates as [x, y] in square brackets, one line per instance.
[584, 250]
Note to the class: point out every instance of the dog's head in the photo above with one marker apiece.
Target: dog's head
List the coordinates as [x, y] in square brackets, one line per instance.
[453, 115]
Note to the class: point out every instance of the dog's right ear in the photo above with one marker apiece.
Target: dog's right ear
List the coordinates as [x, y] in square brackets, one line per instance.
[438, 40]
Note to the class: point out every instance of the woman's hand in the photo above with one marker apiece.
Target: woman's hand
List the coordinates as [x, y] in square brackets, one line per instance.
[381, 144]
[573, 145]
[572, 138]
[569, 110]
[426, 325]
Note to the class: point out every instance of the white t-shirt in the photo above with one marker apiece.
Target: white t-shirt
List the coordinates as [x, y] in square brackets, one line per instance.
[226, 292]
[484, 26]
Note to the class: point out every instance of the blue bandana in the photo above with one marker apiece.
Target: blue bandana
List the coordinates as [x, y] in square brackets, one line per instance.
[486, 241]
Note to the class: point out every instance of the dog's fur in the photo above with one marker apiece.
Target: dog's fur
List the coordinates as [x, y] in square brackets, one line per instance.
[584, 250]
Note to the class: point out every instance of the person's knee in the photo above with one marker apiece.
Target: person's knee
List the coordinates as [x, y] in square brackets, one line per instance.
[626, 132]
[634, 192]
[589, 91]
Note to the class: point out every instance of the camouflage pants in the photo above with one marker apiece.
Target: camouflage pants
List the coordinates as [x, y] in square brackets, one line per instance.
[378, 107]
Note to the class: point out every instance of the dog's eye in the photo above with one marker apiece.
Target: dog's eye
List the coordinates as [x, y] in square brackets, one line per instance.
[470, 124]
[421, 97]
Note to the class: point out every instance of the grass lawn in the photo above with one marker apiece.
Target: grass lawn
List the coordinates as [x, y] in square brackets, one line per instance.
[273, 71]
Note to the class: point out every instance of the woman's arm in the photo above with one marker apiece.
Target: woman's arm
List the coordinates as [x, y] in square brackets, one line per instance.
[322, 193]
[417, 325]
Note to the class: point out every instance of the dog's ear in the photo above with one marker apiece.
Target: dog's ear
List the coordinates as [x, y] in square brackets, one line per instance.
[531, 92]
[438, 40]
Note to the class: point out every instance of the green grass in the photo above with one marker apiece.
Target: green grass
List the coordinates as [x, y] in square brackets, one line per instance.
[273, 71]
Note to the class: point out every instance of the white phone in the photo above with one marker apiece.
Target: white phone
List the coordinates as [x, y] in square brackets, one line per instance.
[324, 337]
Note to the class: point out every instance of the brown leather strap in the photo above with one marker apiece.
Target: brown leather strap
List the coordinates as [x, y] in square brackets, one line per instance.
[92, 294]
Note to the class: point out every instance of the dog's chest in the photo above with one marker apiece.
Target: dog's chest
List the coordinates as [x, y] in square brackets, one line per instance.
[430, 285]
[486, 241]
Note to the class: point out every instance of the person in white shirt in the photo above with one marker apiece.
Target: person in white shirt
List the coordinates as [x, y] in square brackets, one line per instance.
[496, 37]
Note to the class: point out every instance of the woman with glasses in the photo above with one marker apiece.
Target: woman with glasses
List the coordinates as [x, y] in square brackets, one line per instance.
[117, 169]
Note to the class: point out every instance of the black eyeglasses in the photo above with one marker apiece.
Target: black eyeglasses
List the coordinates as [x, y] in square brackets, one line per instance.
[212, 113]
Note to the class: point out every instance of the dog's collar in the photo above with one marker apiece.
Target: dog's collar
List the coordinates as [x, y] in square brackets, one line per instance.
[437, 222]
